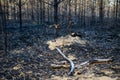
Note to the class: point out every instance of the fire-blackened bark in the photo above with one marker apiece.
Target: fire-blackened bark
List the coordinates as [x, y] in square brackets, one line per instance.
[101, 11]
[3, 28]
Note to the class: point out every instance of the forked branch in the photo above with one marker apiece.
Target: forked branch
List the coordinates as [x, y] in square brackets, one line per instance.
[72, 67]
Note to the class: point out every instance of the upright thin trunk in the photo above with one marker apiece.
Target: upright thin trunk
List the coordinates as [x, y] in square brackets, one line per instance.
[41, 18]
[119, 8]
[43, 9]
[38, 13]
[48, 12]
[108, 12]
[84, 23]
[55, 12]
[116, 15]
[7, 9]
[62, 17]
[79, 14]
[32, 15]
[101, 11]
[20, 14]
[92, 12]
[113, 14]
[69, 14]
[69, 17]
[3, 27]
[14, 12]
[75, 8]
[27, 12]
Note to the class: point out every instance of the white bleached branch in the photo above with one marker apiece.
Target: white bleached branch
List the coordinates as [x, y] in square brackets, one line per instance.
[69, 60]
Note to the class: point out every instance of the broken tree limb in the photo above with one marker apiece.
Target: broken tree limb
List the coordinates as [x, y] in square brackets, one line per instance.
[69, 60]
[59, 66]
[65, 65]
[100, 61]
[94, 61]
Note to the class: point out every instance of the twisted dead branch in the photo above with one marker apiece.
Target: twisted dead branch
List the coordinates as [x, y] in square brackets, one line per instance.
[69, 60]
[78, 66]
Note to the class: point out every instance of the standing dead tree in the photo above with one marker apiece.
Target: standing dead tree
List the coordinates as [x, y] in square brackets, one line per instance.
[55, 5]
[101, 11]
[116, 15]
[3, 24]
[20, 4]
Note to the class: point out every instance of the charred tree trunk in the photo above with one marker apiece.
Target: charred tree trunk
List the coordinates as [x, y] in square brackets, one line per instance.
[14, 12]
[79, 13]
[38, 19]
[48, 13]
[41, 12]
[84, 21]
[75, 8]
[108, 10]
[44, 16]
[101, 11]
[92, 12]
[69, 17]
[119, 9]
[3, 28]
[116, 13]
[7, 9]
[20, 14]
[55, 12]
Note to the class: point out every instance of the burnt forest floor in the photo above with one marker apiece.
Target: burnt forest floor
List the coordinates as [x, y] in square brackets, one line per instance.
[29, 56]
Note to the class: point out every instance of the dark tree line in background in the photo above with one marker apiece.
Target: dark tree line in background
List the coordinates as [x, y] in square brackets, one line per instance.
[84, 12]
[62, 12]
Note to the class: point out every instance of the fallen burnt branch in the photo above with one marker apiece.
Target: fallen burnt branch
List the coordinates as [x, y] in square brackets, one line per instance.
[100, 61]
[65, 65]
[94, 61]
[59, 66]
[72, 67]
